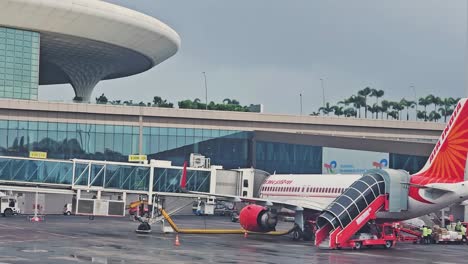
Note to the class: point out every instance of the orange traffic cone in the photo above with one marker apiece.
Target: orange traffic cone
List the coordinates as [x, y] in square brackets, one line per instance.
[177, 242]
[245, 234]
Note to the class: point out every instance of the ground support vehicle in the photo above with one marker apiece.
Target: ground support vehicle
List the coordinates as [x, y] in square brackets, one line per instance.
[9, 205]
[387, 238]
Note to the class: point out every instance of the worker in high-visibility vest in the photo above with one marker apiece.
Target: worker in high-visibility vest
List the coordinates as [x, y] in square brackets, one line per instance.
[463, 233]
[429, 235]
[424, 234]
[458, 226]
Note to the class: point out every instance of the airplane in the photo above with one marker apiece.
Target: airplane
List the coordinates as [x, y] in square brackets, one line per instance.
[440, 183]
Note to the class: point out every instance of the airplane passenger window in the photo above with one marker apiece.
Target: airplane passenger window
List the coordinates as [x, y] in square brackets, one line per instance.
[302, 189]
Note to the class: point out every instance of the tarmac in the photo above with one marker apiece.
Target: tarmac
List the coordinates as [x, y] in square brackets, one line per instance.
[76, 239]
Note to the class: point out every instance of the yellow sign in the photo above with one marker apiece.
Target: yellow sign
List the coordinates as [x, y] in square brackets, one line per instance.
[136, 158]
[38, 154]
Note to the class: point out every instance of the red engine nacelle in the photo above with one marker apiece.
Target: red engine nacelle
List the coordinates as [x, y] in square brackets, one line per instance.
[257, 218]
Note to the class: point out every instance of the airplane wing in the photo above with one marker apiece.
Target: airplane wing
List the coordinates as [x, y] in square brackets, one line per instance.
[295, 205]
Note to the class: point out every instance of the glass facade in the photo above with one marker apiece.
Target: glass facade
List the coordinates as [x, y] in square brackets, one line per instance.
[68, 140]
[288, 158]
[19, 63]
[116, 142]
[409, 163]
[230, 148]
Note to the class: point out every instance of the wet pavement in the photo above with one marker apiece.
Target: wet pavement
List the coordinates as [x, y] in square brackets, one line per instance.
[73, 239]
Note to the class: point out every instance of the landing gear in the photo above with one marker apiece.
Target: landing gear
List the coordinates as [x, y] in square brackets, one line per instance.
[306, 235]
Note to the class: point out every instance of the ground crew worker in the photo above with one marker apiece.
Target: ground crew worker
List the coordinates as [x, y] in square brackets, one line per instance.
[424, 234]
[429, 235]
[463, 233]
[458, 226]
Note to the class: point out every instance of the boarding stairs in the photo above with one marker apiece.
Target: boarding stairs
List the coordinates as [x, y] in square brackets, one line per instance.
[359, 204]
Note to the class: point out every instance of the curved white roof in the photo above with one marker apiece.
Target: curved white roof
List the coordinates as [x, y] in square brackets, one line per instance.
[85, 41]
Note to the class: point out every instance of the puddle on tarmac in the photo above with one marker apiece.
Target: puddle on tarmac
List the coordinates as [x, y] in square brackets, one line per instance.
[101, 260]
[34, 250]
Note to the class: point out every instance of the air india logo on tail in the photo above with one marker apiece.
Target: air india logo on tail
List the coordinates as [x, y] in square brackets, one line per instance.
[446, 164]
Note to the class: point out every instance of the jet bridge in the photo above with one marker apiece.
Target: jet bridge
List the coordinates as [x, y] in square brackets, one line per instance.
[100, 187]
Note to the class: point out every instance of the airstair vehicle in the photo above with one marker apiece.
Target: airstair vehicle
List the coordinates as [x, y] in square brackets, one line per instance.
[339, 225]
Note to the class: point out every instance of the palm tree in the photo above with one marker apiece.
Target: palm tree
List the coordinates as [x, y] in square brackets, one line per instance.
[348, 112]
[364, 93]
[393, 114]
[326, 109]
[374, 109]
[385, 107]
[421, 114]
[398, 107]
[408, 105]
[377, 94]
[425, 101]
[338, 110]
[446, 110]
[227, 101]
[315, 114]
[358, 102]
[434, 116]
[437, 102]
[434, 100]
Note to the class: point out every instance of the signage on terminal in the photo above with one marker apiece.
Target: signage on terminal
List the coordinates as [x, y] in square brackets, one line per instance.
[38, 155]
[137, 158]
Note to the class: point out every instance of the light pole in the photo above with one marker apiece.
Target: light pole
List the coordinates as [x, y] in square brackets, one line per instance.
[206, 92]
[323, 92]
[300, 101]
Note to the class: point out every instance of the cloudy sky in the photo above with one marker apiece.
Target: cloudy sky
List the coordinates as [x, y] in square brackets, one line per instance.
[270, 51]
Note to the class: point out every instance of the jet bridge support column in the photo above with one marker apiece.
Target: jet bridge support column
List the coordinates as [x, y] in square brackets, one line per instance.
[151, 182]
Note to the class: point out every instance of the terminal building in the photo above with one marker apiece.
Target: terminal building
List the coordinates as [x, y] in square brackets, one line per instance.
[85, 41]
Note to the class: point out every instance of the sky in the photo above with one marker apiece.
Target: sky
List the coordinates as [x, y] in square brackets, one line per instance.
[270, 51]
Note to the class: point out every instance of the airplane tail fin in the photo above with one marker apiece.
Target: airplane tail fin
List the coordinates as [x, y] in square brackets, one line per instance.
[448, 159]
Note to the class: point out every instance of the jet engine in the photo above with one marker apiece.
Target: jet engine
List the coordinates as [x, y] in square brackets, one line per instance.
[256, 218]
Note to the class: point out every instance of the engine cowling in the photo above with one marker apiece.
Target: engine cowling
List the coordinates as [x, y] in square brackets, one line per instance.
[257, 218]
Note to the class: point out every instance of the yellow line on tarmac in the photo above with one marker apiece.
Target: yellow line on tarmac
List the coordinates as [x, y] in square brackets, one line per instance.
[217, 231]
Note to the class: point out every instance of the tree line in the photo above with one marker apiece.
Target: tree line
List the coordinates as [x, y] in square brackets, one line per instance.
[226, 105]
[435, 108]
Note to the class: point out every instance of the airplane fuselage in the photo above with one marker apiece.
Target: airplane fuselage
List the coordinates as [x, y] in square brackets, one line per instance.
[319, 190]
